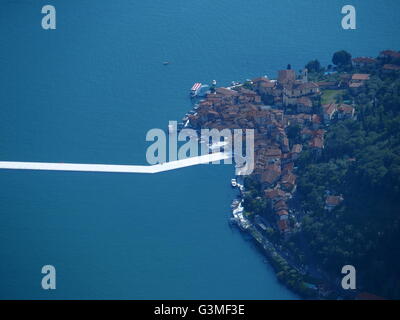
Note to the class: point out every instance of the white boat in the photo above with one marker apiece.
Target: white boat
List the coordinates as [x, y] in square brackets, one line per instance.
[234, 183]
[239, 218]
[238, 210]
[195, 89]
[235, 204]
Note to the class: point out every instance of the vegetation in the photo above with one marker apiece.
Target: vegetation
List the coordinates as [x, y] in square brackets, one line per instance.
[331, 96]
[361, 161]
[313, 66]
[341, 59]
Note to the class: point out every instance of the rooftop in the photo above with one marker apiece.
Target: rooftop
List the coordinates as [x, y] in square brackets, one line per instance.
[360, 76]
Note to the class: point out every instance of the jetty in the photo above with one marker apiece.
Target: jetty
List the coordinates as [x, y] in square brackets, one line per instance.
[109, 168]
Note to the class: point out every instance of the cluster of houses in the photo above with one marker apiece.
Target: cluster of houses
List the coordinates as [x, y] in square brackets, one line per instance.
[246, 107]
[288, 90]
[388, 60]
[342, 111]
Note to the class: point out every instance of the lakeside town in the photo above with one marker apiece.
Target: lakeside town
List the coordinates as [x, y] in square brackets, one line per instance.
[290, 115]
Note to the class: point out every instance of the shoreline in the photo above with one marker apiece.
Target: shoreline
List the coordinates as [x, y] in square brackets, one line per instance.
[246, 226]
[311, 130]
[299, 282]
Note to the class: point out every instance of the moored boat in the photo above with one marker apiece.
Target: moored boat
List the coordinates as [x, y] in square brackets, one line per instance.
[195, 89]
[234, 183]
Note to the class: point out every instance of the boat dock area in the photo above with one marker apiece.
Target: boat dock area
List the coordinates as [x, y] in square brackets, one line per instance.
[199, 90]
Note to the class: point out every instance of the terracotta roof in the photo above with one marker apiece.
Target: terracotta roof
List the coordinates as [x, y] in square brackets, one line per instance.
[316, 119]
[297, 148]
[391, 67]
[282, 213]
[333, 200]
[268, 84]
[317, 142]
[390, 53]
[360, 76]
[283, 225]
[271, 174]
[274, 193]
[280, 205]
[329, 108]
[364, 60]
[289, 178]
[305, 101]
[273, 152]
[319, 133]
[345, 108]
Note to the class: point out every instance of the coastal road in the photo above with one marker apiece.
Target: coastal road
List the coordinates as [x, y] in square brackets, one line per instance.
[167, 166]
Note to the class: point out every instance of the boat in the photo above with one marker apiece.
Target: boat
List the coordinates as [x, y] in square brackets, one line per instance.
[240, 219]
[235, 203]
[195, 89]
[234, 183]
[165, 63]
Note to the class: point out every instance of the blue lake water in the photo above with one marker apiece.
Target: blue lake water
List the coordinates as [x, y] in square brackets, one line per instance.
[89, 92]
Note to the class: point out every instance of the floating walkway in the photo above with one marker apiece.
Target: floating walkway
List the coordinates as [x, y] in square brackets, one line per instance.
[114, 168]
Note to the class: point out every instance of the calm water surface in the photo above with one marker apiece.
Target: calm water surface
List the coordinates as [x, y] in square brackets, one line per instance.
[89, 91]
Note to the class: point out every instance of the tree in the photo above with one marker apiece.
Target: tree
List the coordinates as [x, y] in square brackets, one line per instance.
[293, 132]
[313, 66]
[341, 58]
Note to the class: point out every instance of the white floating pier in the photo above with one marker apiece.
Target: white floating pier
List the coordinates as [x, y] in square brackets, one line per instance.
[167, 166]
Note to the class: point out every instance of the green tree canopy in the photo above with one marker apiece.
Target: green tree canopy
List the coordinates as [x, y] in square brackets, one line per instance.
[341, 58]
[313, 66]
